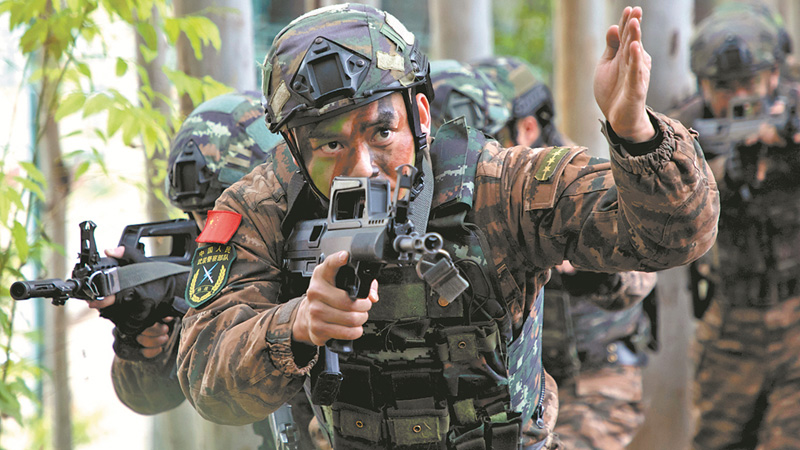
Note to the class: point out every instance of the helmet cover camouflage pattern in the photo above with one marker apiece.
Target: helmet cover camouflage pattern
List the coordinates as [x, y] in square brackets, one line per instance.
[463, 91]
[519, 82]
[737, 40]
[334, 59]
[222, 140]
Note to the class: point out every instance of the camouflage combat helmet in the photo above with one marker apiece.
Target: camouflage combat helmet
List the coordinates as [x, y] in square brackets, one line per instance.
[222, 140]
[521, 84]
[335, 59]
[463, 91]
[738, 40]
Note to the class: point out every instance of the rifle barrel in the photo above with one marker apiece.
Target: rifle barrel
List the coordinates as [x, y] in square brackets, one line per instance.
[50, 288]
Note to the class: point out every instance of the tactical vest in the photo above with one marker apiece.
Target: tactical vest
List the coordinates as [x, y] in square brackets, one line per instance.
[578, 334]
[432, 374]
[757, 253]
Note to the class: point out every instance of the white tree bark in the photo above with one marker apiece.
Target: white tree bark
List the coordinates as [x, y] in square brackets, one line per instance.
[234, 63]
[579, 39]
[461, 29]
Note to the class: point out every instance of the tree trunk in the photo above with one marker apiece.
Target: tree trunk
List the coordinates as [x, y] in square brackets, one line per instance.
[579, 40]
[54, 220]
[156, 209]
[461, 29]
[234, 63]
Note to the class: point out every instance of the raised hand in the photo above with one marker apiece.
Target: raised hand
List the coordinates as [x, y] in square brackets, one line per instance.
[622, 77]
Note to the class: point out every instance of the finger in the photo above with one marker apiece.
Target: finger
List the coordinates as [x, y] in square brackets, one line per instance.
[103, 303]
[325, 332]
[373, 292]
[157, 329]
[151, 352]
[152, 342]
[115, 252]
[612, 42]
[623, 19]
[330, 266]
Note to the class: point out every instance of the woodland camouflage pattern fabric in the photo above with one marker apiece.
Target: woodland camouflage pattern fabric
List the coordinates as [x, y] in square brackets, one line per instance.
[230, 133]
[236, 361]
[600, 398]
[462, 91]
[601, 409]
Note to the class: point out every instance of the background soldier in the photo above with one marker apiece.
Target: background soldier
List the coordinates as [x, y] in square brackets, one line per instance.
[596, 327]
[348, 89]
[218, 143]
[746, 389]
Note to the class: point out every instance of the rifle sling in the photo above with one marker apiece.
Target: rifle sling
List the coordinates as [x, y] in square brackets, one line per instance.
[421, 205]
[140, 273]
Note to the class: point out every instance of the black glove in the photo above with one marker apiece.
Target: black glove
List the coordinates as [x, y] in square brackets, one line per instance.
[583, 283]
[139, 307]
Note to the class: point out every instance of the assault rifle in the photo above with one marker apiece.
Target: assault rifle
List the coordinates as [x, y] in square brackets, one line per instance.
[719, 137]
[376, 231]
[94, 277]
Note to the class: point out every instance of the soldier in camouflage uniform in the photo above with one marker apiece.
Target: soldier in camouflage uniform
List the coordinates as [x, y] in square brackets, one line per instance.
[348, 88]
[218, 143]
[595, 324]
[747, 394]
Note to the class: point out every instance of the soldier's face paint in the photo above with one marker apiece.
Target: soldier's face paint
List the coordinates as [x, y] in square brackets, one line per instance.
[718, 94]
[371, 140]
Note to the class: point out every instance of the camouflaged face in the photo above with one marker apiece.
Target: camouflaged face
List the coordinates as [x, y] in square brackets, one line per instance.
[463, 91]
[736, 41]
[231, 134]
[374, 50]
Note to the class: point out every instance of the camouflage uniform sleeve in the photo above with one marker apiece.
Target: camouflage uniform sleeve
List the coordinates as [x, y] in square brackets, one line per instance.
[645, 213]
[149, 387]
[236, 362]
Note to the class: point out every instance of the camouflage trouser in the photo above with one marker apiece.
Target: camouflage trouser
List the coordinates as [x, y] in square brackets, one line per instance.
[747, 384]
[600, 409]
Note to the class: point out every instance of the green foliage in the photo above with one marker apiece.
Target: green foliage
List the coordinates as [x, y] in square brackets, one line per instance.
[61, 41]
[524, 28]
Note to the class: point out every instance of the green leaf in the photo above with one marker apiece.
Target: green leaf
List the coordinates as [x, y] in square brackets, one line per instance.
[172, 29]
[20, 241]
[9, 404]
[96, 103]
[147, 54]
[115, 118]
[31, 186]
[148, 34]
[122, 67]
[81, 169]
[83, 69]
[34, 172]
[70, 104]
[34, 37]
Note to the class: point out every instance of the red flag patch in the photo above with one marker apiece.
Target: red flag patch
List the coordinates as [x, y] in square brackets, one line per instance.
[220, 227]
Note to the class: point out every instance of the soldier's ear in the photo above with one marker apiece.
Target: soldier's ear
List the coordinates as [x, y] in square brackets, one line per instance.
[424, 113]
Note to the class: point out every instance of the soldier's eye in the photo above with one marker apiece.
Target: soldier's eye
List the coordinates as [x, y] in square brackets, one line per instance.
[383, 135]
[331, 148]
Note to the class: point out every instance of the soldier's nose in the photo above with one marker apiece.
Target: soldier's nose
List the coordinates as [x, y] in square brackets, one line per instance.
[362, 162]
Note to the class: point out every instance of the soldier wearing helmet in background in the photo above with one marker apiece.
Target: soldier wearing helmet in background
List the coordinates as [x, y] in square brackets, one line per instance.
[218, 143]
[596, 325]
[349, 90]
[746, 289]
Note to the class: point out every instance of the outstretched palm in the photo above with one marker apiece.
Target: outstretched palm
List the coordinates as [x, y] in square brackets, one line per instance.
[622, 77]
